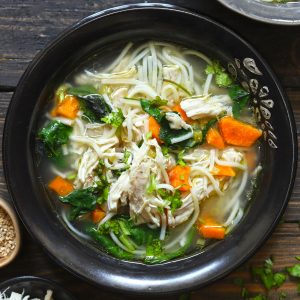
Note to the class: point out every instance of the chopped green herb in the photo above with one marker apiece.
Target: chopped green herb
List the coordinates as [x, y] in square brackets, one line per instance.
[258, 297]
[298, 288]
[165, 150]
[152, 184]
[71, 176]
[267, 277]
[282, 296]
[115, 118]
[244, 293]
[180, 160]
[201, 243]
[149, 135]
[294, 270]
[240, 99]
[222, 78]
[126, 157]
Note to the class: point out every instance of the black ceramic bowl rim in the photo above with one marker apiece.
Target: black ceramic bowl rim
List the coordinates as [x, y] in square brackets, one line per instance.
[273, 13]
[10, 283]
[119, 276]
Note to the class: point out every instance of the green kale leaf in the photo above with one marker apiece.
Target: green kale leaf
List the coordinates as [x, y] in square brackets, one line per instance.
[54, 135]
[94, 107]
[82, 90]
[81, 201]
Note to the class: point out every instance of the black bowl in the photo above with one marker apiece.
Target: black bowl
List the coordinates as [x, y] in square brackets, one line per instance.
[35, 287]
[108, 29]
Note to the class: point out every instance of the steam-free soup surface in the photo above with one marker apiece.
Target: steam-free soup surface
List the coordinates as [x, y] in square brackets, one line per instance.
[152, 155]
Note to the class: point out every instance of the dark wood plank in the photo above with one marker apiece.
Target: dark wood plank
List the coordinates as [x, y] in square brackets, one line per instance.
[26, 27]
[283, 246]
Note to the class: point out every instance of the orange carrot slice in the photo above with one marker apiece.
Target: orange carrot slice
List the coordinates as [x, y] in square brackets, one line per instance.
[179, 177]
[182, 113]
[238, 133]
[212, 231]
[223, 171]
[68, 108]
[61, 186]
[154, 127]
[97, 215]
[215, 139]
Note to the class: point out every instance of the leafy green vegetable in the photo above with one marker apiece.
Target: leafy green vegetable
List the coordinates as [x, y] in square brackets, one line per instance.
[108, 244]
[294, 270]
[222, 78]
[240, 99]
[297, 257]
[82, 90]
[167, 256]
[170, 136]
[151, 108]
[180, 160]
[54, 135]
[266, 275]
[173, 198]
[127, 155]
[81, 201]
[114, 118]
[154, 249]
[94, 107]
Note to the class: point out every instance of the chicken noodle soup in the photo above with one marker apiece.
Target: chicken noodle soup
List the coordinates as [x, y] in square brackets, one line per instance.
[152, 157]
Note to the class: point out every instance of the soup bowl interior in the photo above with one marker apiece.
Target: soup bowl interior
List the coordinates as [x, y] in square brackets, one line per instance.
[106, 32]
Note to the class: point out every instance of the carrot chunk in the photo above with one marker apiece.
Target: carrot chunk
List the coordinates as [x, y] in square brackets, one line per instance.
[154, 127]
[182, 113]
[215, 139]
[179, 177]
[223, 171]
[68, 108]
[97, 215]
[61, 186]
[238, 133]
[212, 231]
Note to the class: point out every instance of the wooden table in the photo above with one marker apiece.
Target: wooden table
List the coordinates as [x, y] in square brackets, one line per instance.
[27, 26]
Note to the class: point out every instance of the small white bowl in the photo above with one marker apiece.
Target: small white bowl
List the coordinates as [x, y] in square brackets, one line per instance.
[10, 211]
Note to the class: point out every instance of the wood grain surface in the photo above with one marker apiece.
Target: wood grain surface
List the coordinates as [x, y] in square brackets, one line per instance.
[27, 26]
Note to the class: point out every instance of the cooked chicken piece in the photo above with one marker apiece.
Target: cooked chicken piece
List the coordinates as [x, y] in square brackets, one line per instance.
[118, 191]
[231, 155]
[206, 106]
[176, 122]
